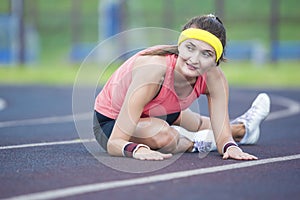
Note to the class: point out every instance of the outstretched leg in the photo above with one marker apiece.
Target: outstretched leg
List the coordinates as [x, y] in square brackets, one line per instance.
[193, 122]
[245, 129]
[252, 119]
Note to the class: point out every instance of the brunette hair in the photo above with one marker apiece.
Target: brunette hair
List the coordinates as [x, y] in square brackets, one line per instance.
[208, 23]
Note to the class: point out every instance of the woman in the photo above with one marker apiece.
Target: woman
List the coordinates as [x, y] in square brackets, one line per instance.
[143, 110]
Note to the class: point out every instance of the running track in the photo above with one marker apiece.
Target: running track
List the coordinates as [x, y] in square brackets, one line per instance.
[42, 157]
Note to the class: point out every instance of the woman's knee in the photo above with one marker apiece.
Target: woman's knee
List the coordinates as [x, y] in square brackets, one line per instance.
[189, 120]
[167, 139]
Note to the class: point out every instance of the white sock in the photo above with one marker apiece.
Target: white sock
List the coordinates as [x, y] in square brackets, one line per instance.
[183, 132]
[203, 135]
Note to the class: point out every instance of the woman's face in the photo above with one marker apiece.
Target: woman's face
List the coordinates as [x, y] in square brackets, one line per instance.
[195, 57]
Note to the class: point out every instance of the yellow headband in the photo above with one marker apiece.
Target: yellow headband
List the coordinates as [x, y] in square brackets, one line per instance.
[199, 34]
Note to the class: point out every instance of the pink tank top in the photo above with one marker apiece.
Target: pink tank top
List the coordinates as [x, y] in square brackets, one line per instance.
[109, 101]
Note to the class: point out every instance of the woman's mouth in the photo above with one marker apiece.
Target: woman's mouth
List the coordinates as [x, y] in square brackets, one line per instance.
[191, 67]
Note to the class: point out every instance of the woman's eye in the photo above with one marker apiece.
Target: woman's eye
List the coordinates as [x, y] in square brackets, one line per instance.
[190, 48]
[206, 54]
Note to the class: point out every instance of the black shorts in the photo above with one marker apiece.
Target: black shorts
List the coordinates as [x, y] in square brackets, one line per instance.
[103, 126]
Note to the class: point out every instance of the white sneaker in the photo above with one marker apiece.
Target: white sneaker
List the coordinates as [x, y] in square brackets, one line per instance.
[203, 140]
[253, 117]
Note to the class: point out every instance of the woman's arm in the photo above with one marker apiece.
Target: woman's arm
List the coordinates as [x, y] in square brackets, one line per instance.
[218, 95]
[146, 77]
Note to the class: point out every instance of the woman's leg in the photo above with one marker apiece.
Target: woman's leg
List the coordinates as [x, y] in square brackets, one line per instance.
[194, 122]
[159, 135]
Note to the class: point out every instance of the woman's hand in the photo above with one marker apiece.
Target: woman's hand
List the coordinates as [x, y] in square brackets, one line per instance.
[237, 154]
[147, 154]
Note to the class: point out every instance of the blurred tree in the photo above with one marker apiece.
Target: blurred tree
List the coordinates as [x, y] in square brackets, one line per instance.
[17, 11]
[274, 28]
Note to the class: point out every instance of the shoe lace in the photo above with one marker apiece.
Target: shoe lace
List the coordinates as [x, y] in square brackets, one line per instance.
[249, 116]
[203, 146]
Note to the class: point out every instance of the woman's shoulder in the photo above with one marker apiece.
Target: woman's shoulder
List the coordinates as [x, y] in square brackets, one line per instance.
[150, 67]
[216, 73]
[154, 62]
[150, 59]
[216, 79]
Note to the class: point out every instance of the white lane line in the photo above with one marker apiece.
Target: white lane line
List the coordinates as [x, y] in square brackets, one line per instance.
[2, 104]
[45, 120]
[75, 141]
[96, 187]
[293, 108]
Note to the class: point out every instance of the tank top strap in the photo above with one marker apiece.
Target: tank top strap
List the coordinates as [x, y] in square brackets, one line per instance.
[171, 60]
[169, 77]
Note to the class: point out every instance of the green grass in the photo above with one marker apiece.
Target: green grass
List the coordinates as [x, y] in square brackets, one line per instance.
[249, 22]
[38, 75]
[282, 74]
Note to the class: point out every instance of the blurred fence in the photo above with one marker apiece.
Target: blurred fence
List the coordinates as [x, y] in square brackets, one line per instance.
[68, 29]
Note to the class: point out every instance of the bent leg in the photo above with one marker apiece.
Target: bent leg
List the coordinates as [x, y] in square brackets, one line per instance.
[194, 122]
[157, 134]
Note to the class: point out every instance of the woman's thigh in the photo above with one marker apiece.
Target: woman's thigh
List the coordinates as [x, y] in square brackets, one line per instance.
[155, 133]
[189, 120]
[152, 131]
[102, 130]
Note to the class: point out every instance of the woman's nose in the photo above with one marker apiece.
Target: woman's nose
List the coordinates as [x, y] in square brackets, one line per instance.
[195, 59]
